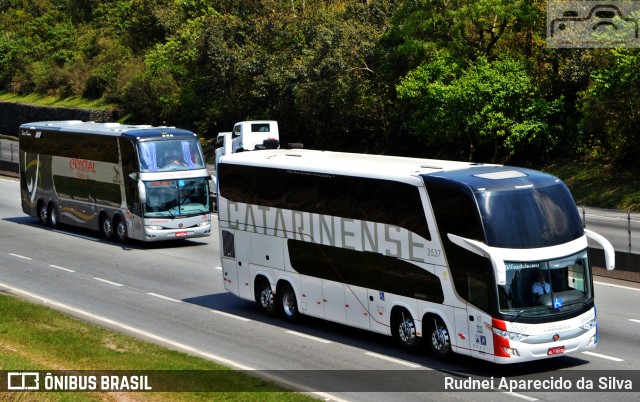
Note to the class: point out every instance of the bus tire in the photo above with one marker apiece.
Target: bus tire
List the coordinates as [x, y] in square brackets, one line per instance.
[54, 215]
[267, 301]
[403, 328]
[288, 303]
[120, 229]
[43, 214]
[106, 227]
[439, 338]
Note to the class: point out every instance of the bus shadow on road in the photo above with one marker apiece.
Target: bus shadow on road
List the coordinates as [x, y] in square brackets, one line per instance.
[96, 236]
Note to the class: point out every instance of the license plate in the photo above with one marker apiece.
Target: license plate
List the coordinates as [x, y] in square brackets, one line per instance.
[558, 350]
[181, 234]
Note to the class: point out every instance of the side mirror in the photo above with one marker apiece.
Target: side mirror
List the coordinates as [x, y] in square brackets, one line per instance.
[609, 252]
[142, 192]
[483, 250]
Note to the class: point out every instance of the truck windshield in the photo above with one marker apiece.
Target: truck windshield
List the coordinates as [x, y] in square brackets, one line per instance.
[170, 155]
[173, 198]
[544, 287]
[529, 217]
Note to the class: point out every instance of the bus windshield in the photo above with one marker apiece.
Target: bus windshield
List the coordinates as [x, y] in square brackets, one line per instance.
[544, 287]
[169, 155]
[173, 198]
[529, 217]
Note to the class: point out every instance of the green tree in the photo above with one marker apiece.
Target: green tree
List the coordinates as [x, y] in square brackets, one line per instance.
[489, 109]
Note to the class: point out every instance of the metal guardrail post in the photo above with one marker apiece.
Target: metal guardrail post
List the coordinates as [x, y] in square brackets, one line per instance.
[629, 228]
[584, 218]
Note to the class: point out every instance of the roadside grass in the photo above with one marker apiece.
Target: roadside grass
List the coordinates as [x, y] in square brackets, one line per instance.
[55, 101]
[37, 338]
[598, 185]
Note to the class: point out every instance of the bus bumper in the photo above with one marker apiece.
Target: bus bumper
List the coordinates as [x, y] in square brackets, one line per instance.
[174, 234]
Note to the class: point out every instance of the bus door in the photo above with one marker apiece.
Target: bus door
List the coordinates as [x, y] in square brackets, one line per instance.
[235, 262]
[480, 340]
[380, 315]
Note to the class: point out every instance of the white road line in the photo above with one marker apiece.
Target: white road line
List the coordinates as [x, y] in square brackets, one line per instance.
[106, 281]
[166, 341]
[517, 395]
[237, 317]
[313, 338]
[218, 268]
[20, 256]
[61, 268]
[634, 320]
[615, 359]
[164, 297]
[616, 286]
[394, 360]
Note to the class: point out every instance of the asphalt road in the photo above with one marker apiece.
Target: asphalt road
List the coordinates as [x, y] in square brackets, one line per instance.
[173, 294]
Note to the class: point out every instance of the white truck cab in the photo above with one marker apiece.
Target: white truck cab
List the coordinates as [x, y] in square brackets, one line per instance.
[248, 136]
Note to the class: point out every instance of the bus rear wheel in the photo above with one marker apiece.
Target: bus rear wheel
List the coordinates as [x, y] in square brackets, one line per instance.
[288, 303]
[264, 296]
[54, 215]
[120, 230]
[439, 339]
[404, 330]
[43, 214]
[106, 228]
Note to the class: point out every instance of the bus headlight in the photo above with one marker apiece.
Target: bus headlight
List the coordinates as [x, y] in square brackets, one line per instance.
[204, 223]
[153, 227]
[512, 336]
[590, 324]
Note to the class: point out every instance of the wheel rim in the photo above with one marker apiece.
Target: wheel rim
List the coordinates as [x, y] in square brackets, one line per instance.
[289, 305]
[121, 230]
[107, 230]
[440, 339]
[407, 331]
[44, 215]
[266, 298]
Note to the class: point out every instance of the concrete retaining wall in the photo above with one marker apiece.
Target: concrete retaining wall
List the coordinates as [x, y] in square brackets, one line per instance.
[12, 115]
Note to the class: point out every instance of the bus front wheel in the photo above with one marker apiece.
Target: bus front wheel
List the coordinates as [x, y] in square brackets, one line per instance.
[439, 339]
[289, 303]
[265, 297]
[404, 330]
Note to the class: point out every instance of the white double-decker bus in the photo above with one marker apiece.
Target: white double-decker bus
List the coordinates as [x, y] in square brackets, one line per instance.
[434, 253]
[129, 182]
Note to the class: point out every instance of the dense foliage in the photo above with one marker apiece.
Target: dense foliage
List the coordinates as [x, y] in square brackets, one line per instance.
[460, 79]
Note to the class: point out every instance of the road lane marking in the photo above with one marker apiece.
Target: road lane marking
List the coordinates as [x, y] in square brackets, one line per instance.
[394, 360]
[313, 338]
[517, 395]
[616, 286]
[148, 335]
[615, 359]
[164, 297]
[634, 320]
[237, 317]
[61, 268]
[107, 281]
[21, 256]
[218, 268]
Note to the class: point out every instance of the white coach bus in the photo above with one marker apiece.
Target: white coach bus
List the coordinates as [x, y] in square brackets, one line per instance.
[138, 182]
[437, 253]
